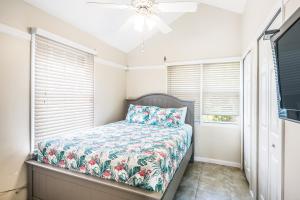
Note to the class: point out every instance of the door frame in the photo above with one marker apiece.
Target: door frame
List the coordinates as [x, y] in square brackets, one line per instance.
[277, 13]
[253, 110]
[243, 107]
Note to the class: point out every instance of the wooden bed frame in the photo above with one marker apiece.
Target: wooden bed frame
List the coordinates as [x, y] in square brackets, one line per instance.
[46, 182]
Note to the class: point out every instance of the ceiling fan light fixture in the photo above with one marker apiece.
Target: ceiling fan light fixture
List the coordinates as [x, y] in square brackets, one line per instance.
[142, 22]
[139, 23]
[143, 7]
[150, 24]
[146, 12]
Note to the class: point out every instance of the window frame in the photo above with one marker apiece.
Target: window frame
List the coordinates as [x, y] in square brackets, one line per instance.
[202, 63]
[59, 39]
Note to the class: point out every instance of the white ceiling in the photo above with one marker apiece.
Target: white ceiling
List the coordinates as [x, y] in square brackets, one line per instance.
[237, 6]
[105, 23]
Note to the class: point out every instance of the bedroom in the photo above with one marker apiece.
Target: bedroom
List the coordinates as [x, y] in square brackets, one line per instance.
[118, 60]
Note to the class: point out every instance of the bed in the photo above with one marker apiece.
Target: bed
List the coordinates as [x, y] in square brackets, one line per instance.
[51, 177]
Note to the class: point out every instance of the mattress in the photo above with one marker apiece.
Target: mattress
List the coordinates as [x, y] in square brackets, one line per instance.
[144, 156]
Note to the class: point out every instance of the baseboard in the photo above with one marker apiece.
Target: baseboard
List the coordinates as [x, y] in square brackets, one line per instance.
[218, 162]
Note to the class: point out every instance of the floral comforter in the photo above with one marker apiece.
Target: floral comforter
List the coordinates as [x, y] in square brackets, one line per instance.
[144, 156]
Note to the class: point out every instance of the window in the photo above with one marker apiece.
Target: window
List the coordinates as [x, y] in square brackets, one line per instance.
[62, 89]
[184, 83]
[215, 88]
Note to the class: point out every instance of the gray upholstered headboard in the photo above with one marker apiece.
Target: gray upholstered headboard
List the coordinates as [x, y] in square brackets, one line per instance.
[166, 101]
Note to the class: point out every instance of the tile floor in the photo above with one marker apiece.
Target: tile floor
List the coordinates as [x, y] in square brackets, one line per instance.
[203, 181]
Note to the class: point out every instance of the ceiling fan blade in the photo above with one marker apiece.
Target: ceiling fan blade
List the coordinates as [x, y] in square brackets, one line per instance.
[111, 5]
[161, 25]
[128, 24]
[177, 7]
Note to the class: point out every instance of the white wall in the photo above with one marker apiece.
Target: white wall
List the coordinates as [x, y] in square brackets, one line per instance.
[14, 113]
[218, 143]
[209, 33]
[145, 81]
[110, 94]
[15, 87]
[292, 162]
[255, 14]
[292, 139]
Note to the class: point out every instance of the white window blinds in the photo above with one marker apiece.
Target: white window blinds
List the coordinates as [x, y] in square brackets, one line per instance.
[184, 83]
[215, 88]
[221, 89]
[63, 89]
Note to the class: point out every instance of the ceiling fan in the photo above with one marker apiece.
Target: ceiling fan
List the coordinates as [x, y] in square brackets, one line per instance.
[146, 11]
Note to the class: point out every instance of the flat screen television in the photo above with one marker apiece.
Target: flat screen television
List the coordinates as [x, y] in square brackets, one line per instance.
[286, 52]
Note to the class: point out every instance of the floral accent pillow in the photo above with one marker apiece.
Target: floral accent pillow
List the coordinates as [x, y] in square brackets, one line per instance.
[168, 117]
[156, 116]
[137, 114]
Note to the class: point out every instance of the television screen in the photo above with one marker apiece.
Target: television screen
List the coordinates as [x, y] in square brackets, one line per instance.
[288, 60]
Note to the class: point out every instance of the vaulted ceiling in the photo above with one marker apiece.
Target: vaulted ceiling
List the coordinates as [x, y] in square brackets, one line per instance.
[106, 23]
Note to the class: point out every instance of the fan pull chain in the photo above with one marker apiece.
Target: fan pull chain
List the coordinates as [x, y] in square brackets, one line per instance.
[143, 37]
[143, 46]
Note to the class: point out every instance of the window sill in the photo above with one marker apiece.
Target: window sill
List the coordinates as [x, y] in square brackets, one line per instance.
[218, 124]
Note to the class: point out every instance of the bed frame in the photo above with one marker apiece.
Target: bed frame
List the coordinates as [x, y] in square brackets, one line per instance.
[46, 182]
